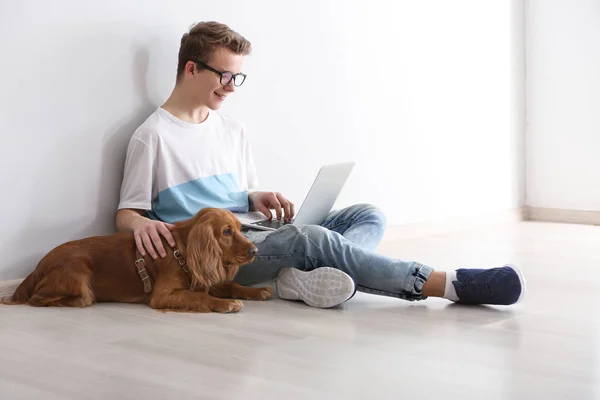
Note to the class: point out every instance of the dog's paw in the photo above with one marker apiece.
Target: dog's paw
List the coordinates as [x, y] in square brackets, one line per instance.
[228, 306]
[266, 293]
[235, 306]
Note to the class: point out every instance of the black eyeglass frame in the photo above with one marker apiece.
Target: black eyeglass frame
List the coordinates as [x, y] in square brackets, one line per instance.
[208, 67]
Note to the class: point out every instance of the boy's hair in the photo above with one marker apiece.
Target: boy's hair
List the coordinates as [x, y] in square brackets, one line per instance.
[204, 37]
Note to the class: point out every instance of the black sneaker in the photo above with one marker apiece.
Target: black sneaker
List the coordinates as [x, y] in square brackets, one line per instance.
[498, 286]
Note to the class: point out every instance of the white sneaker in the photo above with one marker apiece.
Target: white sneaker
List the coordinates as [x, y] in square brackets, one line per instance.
[323, 287]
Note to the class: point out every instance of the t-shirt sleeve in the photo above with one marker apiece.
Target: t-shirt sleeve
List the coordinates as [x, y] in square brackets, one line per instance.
[251, 176]
[138, 176]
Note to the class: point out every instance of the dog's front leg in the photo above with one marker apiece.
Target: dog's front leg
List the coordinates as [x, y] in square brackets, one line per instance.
[236, 291]
[186, 300]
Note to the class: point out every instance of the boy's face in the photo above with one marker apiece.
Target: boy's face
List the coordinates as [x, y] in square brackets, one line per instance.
[206, 85]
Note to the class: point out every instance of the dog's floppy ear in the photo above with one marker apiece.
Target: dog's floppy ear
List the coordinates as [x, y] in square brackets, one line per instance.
[204, 256]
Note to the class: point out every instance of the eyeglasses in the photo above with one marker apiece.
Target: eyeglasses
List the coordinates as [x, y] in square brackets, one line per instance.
[226, 76]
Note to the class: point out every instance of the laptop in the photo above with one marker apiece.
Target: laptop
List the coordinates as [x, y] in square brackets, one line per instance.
[316, 206]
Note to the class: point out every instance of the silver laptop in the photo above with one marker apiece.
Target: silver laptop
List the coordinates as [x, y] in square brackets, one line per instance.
[316, 206]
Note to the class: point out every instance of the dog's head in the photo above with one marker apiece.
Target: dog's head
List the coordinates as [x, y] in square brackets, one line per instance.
[216, 247]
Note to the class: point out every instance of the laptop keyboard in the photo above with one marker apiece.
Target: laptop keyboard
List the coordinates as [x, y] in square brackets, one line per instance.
[273, 223]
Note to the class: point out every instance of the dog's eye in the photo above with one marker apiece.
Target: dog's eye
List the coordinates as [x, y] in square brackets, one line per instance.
[227, 232]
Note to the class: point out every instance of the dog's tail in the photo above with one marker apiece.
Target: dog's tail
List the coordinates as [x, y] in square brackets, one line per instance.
[9, 302]
[23, 292]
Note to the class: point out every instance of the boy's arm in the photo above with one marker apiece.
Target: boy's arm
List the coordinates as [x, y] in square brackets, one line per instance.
[145, 231]
[126, 217]
[264, 202]
[136, 192]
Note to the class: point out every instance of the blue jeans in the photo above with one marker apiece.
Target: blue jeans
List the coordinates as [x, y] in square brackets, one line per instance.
[346, 241]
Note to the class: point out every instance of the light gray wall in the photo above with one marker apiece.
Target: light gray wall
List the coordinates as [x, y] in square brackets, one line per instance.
[563, 104]
[425, 96]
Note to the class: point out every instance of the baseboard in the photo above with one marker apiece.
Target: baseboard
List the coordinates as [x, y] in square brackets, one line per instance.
[452, 225]
[540, 214]
[7, 288]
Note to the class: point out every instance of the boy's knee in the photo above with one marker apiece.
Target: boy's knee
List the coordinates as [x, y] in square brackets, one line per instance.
[370, 213]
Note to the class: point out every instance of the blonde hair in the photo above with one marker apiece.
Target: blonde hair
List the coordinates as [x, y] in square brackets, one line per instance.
[204, 37]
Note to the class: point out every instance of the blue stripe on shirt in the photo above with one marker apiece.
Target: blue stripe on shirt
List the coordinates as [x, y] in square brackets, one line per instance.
[183, 201]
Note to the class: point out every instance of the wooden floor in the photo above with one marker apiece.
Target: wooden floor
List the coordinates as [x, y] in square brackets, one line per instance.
[374, 348]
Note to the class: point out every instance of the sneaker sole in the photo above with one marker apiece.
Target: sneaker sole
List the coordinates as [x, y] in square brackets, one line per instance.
[521, 279]
[323, 287]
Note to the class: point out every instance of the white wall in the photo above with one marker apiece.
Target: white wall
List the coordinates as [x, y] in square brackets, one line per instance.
[426, 97]
[563, 104]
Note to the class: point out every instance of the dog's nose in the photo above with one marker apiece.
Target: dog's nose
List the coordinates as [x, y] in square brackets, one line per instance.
[252, 252]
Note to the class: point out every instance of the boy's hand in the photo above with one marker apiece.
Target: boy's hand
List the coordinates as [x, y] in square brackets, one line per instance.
[146, 231]
[264, 202]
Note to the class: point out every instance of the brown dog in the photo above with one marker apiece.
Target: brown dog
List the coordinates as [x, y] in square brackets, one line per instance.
[195, 276]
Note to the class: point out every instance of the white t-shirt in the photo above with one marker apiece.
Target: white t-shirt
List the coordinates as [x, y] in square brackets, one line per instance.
[173, 168]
